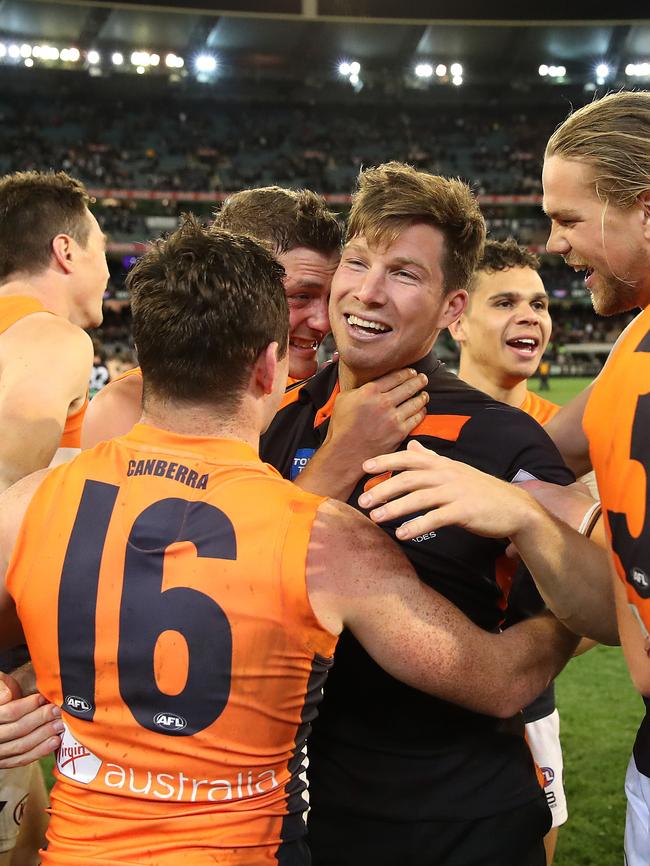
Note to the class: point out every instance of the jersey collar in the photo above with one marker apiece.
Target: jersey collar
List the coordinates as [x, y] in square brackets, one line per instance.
[206, 447]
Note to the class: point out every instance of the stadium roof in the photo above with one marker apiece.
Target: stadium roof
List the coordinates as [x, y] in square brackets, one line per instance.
[299, 36]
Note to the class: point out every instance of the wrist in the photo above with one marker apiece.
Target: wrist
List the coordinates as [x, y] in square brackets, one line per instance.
[530, 518]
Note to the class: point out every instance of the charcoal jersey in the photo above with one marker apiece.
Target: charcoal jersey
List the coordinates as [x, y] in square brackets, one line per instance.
[160, 581]
[617, 424]
[381, 748]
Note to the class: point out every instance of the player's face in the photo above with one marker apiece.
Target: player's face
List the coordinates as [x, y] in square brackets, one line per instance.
[607, 242]
[91, 277]
[506, 326]
[388, 305]
[307, 286]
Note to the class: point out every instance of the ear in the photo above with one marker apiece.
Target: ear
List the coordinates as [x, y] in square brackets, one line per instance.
[265, 368]
[452, 308]
[644, 201]
[457, 329]
[62, 250]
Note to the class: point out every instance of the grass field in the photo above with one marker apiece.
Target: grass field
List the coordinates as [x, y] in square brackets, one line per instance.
[600, 712]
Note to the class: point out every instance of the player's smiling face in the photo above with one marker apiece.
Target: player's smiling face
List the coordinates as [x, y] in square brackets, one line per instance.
[608, 243]
[388, 304]
[307, 286]
[506, 326]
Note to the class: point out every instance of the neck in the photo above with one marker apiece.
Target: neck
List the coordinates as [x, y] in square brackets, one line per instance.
[503, 389]
[43, 287]
[204, 420]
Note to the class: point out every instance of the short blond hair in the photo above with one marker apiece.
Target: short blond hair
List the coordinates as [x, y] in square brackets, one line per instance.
[394, 196]
[612, 135]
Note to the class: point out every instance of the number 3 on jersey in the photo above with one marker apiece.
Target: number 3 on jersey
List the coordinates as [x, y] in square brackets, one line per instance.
[146, 611]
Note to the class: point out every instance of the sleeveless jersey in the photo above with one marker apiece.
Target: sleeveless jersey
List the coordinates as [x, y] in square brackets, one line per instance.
[617, 424]
[160, 581]
[16, 307]
[538, 408]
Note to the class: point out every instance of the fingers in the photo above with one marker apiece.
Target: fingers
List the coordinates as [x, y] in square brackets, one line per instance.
[406, 390]
[42, 744]
[412, 412]
[399, 485]
[25, 715]
[399, 377]
[398, 461]
[9, 688]
[428, 523]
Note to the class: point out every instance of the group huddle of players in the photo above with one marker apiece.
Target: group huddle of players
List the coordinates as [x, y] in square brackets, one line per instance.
[183, 601]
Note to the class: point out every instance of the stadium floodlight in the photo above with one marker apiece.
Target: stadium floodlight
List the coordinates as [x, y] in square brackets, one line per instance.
[355, 67]
[424, 70]
[205, 63]
[14, 52]
[74, 54]
[643, 69]
[543, 70]
[140, 58]
[45, 52]
[630, 69]
[354, 79]
[25, 50]
[117, 58]
[344, 69]
[457, 80]
[154, 59]
[441, 70]
[552, 71]
[140, 70]
[561, 71]
[456, 69]
[602, 70]
[3, 49]
[29, 61]
[180, 63]
[93, 57]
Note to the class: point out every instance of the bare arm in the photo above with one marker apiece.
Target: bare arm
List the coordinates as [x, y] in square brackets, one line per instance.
[113, 411]
[572, 572]
[357, 577]
[565, 429]
[366, 421]
[29, 726]
[46, 364]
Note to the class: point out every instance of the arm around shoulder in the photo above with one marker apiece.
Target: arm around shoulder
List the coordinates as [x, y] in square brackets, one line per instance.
[359, 578]
[113, 411]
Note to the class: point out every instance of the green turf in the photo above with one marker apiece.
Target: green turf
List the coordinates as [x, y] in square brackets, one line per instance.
[561, 390]
[600, 712]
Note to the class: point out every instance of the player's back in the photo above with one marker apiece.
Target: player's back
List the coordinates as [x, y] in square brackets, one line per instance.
[160, 580]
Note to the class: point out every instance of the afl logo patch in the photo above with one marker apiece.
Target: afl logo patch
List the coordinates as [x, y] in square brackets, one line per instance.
[77, 706]
[639, 580]
[169, 722]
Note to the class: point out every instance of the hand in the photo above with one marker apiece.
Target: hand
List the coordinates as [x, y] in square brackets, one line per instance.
[447, 491]
[29, 727]
[377, 417]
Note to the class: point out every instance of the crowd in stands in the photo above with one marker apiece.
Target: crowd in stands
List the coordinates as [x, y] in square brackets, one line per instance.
[203, 146]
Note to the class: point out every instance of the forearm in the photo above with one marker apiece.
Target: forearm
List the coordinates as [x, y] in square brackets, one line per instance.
[572, 573]
[530, 655]
[330, 473]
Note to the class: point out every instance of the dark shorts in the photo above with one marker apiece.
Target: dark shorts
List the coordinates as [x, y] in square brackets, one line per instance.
[513, 838]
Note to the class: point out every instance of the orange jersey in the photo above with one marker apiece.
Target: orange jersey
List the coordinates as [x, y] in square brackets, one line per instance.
[16, 307]
[160, 581]
[538, 408]
[617, 424]
[134, 371]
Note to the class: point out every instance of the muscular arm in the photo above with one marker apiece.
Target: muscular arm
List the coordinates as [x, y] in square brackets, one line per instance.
[565, 429]
[46, 365]
[357, 577]
[113, 411]
[366, 421]
[572, 573]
